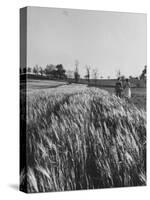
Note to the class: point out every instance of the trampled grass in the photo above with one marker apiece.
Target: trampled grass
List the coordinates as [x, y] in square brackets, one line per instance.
[84, 139]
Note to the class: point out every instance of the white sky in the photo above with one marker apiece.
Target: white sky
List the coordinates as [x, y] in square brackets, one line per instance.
[107, 41]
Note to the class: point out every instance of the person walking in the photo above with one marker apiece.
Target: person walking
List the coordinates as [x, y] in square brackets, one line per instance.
[119, 88]
[127, 89]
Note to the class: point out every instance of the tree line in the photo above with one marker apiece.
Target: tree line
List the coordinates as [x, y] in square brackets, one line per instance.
[59, 72]
[56, 71]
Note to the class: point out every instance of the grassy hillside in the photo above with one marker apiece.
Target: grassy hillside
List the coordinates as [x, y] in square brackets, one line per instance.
[83, 139]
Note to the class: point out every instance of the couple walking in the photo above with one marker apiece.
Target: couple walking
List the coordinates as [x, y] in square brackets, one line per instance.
[123, 89]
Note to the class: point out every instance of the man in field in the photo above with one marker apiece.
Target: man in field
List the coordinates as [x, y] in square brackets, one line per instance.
[119, 88]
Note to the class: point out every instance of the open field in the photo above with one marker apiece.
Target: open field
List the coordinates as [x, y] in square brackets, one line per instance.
[138, 94]
[44, 84]
[99, 82]
[81, 137]
[52, 87]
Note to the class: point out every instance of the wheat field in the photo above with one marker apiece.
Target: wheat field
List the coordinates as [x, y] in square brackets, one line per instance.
[83, 138]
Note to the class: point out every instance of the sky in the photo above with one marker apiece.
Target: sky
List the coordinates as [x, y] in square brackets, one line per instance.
[107, 41]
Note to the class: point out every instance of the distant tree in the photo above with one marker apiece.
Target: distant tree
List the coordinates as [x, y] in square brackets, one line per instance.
[76, 76]
[50, 70]
[101, 77]
[29, 69]
[87, 72]
[24, 70]
[60, 71]
[76, 72]
[36, 69]
[108, 77]
[144, 73]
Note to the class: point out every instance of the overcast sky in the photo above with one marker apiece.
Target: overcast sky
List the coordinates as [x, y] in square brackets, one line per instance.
[107, 41]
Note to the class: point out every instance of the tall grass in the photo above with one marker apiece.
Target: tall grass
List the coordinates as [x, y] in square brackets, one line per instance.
[83, 140]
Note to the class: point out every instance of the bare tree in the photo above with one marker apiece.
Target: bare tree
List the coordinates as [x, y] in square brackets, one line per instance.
[88, 68]
[76, 72]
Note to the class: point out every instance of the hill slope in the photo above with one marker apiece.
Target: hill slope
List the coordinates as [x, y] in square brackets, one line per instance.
[84, 139]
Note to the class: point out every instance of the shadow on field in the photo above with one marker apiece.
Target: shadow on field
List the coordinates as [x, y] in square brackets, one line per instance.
[101, 86]
[46, 86]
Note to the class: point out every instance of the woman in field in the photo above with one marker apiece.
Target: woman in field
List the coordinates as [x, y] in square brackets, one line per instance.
[127, 89]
